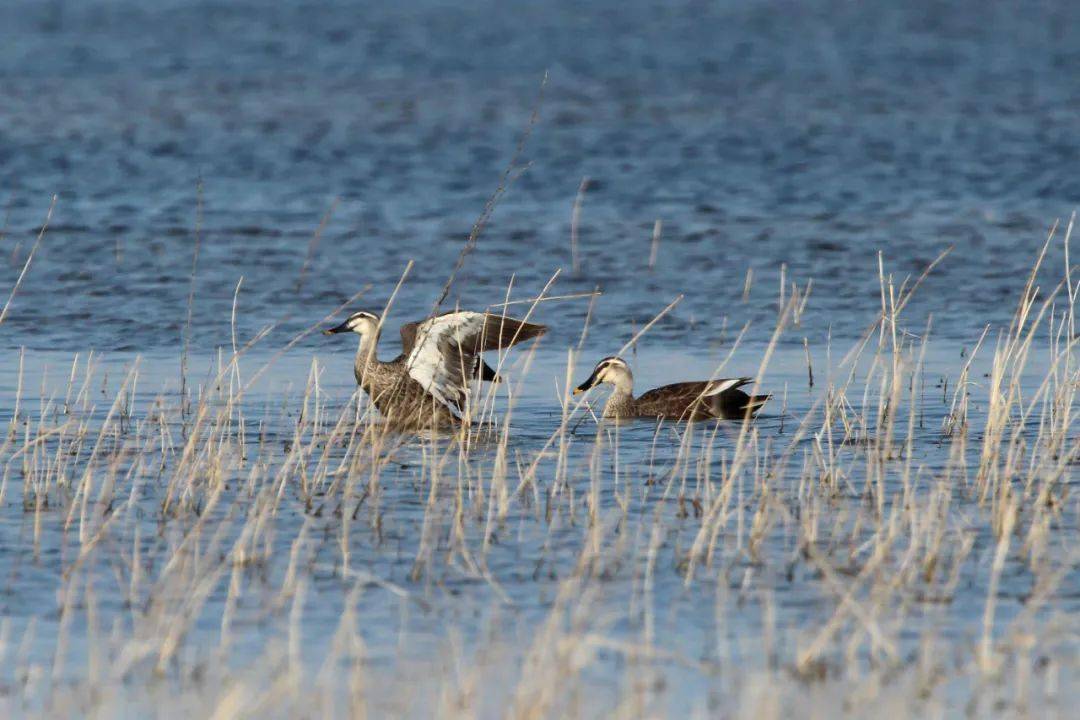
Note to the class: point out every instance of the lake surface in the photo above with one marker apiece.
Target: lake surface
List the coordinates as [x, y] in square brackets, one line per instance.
[283, 158]
[811, 134]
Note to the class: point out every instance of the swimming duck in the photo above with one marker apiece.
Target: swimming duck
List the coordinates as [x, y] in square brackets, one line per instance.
[703, 400]
[426, 386]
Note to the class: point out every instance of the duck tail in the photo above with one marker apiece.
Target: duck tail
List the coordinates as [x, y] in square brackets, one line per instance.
[755, 403]
[488, 374]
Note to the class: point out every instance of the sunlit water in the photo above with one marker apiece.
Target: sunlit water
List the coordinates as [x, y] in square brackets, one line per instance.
[309, 153]
[413, 624]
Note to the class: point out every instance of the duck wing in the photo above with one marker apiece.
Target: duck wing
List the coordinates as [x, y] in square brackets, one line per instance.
[688, 399]
[408, 337]
[722, 385]
[408, 342]
[446, 349]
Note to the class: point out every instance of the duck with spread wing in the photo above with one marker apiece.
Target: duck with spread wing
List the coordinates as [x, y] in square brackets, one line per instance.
[426, 386]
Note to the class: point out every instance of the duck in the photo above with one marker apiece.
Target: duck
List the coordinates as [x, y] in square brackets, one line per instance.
[426, 386]
[719, 399]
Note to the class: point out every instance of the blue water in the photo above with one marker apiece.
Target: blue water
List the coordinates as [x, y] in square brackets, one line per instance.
[307, 152]
[811, 134]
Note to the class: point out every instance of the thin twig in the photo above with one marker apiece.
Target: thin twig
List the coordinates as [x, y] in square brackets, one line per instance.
[29, 259]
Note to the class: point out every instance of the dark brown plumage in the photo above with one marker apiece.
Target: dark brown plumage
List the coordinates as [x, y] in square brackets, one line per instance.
[701, 400]
[686, 401]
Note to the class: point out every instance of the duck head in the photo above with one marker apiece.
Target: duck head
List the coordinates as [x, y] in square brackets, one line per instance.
[361, 323]
[611, 370]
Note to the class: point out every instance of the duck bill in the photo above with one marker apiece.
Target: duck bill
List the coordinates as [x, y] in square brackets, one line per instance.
[587, 385]
[343, 327]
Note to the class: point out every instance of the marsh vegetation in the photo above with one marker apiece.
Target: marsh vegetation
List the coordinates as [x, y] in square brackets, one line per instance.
[897, 533]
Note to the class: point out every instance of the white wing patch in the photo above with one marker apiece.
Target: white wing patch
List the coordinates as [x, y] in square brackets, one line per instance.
[723, 384]
[442, 375]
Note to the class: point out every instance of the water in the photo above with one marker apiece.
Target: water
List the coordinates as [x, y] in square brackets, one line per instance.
[306, 152]
[759, 134]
